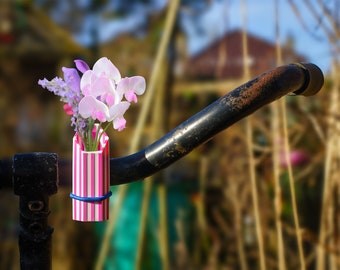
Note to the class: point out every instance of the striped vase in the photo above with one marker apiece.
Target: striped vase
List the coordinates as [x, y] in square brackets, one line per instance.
[90, 181]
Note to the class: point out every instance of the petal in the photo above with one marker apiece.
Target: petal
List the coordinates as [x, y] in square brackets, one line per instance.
[131, 96]
[86, 105]
[72, 78]
[86, 81]
[123, 86]
[110, 99]
[104, 66]
[81, 65]
[91, 107]
[126, 85]
[119, 123]
[118, 97]
[101, 112]
[43, 82]
[100, 87]
[137, 84]
[118, 110]
[100, 116]
[68, 109]
[68, 73]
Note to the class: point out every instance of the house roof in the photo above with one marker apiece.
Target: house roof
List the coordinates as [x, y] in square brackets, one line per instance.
[224, 58]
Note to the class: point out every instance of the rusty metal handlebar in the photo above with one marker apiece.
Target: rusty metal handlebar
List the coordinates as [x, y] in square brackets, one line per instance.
[298, 78]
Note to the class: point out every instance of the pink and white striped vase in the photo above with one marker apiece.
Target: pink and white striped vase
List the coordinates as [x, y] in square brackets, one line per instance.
[90, 181]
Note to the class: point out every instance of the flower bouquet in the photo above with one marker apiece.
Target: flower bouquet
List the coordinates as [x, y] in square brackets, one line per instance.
[94, 99]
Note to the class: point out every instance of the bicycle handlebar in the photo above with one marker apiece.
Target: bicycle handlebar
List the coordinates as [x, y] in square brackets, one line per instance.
[298, 78]
[301, 79]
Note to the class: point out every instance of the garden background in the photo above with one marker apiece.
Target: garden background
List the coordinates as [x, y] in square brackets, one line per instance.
[264, 194]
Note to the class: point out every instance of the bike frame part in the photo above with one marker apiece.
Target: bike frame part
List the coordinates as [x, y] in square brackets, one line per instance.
[302, 79]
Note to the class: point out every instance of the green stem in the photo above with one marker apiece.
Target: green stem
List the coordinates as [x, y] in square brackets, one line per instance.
[88, 140]
[90, 143]
[95, 141]
[101, 134]
[88, 136]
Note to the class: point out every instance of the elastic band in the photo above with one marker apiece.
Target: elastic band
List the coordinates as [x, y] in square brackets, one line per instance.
[91, 199]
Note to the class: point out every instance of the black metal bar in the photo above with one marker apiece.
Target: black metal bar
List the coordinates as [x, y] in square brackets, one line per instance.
[303, 79]
[35, 178]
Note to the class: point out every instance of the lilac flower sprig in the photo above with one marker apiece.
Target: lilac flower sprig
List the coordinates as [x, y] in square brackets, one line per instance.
[100, 95]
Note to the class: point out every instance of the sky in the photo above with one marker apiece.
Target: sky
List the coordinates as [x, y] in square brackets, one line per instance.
[218, 17]
[226, 15]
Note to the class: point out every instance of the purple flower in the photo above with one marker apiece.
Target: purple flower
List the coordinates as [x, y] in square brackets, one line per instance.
[72, 80]
[81, 66]
[68, 89]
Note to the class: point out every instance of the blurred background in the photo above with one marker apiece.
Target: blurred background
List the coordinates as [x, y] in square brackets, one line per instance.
[264, 194]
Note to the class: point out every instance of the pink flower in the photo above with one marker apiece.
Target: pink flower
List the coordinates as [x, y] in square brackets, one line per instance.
[91, 107]
[117, 112]
[119, 124]
[104, 90]
[99, 95]
[68, 109]
[104, 68]
[97, 110]
[130, 86]
[296, 158]
[101, 82]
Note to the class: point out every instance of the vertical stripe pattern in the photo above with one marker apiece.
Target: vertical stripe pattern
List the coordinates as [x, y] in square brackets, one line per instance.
[90, 178]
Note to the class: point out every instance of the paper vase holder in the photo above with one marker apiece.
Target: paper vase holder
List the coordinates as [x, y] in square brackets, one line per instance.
[90, 181]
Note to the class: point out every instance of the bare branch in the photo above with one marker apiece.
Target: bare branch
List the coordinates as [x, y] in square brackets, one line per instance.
[318, 18]
[299, 17]
[330, 18]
